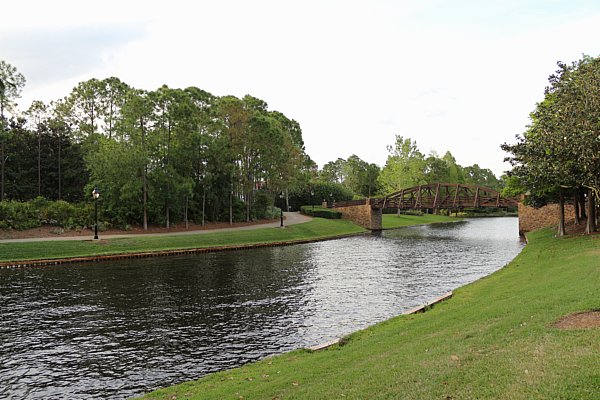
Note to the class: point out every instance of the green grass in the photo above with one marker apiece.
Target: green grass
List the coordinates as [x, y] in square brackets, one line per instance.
[316, 229]
[397, 221]
[493, 340]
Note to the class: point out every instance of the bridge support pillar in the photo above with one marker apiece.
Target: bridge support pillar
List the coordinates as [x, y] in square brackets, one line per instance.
[366, 215]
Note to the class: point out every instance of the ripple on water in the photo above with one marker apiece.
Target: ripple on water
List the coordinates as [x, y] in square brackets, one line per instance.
[114, 330]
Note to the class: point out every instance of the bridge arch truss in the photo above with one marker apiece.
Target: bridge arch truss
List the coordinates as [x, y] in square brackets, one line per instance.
[437, 196]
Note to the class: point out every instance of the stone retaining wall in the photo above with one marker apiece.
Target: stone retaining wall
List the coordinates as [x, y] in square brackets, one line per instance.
[363, 215]
[531, 218]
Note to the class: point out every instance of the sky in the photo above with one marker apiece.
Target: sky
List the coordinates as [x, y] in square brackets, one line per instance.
[453, 75]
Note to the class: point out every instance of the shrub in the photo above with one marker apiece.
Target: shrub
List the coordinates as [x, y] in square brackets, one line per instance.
[39, 211]
[262, 202]
[320, 212]
[272, 212]
[58, 212]
[19, 215]
[239, 211]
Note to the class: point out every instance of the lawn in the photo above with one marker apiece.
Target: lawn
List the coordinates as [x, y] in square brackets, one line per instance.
[493, 340]
[316, 229]
[391, 221]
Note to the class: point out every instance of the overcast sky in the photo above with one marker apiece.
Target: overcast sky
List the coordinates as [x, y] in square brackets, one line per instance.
[453, 75]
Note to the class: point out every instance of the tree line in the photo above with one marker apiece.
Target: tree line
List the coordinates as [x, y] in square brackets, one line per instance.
[157, 156]
[406, 166]
[177, 155]
[558, 156]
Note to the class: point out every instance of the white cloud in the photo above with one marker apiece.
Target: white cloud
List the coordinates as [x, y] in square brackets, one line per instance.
[459, 76]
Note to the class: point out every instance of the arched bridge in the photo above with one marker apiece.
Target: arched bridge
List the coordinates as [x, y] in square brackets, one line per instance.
[434, 196]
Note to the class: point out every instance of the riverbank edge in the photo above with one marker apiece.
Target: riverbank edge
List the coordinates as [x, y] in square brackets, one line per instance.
[520, 263]
[39, 262]
[416, 310]
[165, 253]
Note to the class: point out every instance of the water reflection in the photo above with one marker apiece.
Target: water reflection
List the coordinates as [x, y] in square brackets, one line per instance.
[120, 329]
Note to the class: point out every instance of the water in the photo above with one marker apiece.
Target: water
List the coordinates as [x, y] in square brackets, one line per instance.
[119, 329]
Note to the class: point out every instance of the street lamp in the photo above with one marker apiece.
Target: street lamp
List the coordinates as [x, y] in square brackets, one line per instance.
[312, 201]
[95, 195]
[281, 198]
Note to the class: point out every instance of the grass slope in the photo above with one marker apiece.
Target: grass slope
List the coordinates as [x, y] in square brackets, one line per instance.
[492, 340]
[315, 229]
[391, 221]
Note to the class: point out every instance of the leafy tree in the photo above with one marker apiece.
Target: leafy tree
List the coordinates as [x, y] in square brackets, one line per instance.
[475, 175]
[559, 151]
[38, 115]
[135, 127]
[11, 84]
[455, 171]
[436, 169]
[404, 166]
[158, 157]
[333, 171]
[83, 108]
[360, 176]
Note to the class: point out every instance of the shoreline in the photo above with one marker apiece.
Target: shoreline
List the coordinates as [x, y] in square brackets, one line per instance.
[299, 229]
[478, 344]
[164, 253]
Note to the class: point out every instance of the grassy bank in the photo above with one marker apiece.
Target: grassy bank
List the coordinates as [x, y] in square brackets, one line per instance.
[391, 221]
[315, 229]
[493, 340]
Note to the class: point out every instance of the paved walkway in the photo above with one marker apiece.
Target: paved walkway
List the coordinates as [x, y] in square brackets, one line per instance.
[291, 218]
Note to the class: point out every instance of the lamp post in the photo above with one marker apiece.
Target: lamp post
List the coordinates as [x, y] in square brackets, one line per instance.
[95, 195]
[312, 201]
[281, 198]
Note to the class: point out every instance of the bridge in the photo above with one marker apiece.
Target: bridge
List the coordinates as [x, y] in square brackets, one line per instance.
[434, 196]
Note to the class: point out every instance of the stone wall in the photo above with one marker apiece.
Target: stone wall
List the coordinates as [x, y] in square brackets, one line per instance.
[531, 218]
[363, 215]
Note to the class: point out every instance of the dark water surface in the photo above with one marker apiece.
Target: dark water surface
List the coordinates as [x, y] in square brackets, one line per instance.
[119, 329]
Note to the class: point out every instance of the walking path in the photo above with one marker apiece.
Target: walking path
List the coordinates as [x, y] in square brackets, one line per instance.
[291, 218]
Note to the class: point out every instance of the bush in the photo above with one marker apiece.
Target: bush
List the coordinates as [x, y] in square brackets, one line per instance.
[272, 212]
[19, 215]
[239, 211]
[262, 202]
[320, 212]
[39, 211]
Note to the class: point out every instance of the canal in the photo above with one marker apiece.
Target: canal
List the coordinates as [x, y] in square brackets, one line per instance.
[120, 329]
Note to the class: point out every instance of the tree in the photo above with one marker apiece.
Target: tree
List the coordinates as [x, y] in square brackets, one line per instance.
[359, 176]
[159, 156]
[113, 94]
[559, 152]
[84, 107]
[11, 84]
[436, 169]
[475, 175]
[134, 127]
[455, 172]
[404, 167]
[38, 114]
[333, 171]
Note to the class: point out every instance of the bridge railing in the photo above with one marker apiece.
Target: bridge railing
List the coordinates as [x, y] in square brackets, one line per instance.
[350, 203]
[437, 196]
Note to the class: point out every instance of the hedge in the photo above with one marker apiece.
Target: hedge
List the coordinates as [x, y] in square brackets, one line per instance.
[320, 212]
[37, 212]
